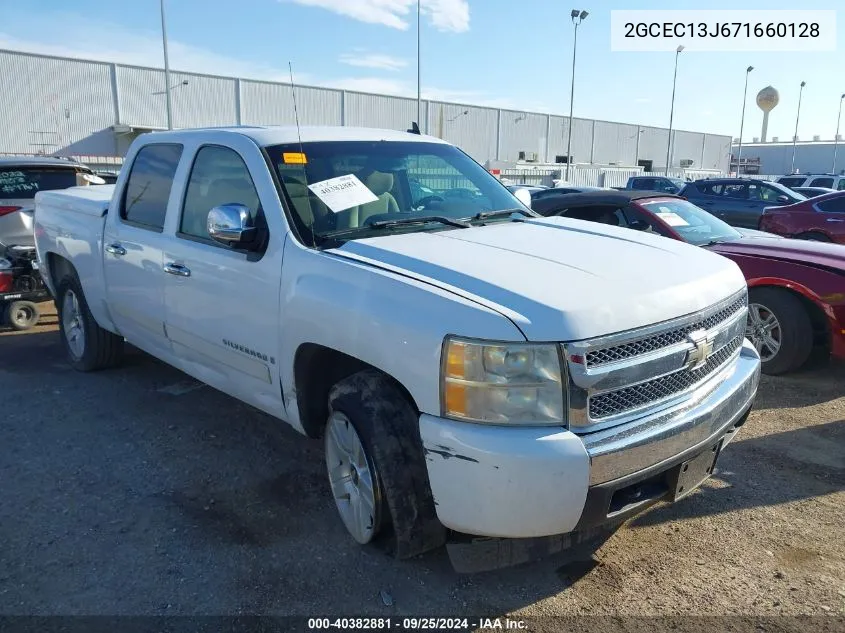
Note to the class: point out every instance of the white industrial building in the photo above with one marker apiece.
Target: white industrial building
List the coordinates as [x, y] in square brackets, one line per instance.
[71, 107]
[775, 157]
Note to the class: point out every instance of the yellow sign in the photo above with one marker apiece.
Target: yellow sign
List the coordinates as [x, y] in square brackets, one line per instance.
[294, 158]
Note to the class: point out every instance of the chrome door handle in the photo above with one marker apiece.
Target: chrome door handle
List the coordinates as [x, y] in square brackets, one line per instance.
[177, 269]
[834, 220]
[115, 249]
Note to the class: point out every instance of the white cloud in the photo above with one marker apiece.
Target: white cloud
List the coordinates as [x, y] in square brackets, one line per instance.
[445, 15]
[373, 60]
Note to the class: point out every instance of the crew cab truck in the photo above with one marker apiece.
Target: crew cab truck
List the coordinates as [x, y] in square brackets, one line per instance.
[472, 368]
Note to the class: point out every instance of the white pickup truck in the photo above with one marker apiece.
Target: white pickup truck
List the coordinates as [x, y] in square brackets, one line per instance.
[473, 369]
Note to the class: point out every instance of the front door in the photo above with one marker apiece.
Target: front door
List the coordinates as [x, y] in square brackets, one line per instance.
[222, 305]
[133, 242]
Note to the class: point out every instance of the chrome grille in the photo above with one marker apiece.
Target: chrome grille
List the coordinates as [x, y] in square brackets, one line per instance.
[616, 353]
[615, 402]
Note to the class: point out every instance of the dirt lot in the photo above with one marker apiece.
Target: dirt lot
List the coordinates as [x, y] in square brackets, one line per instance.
[138, 491]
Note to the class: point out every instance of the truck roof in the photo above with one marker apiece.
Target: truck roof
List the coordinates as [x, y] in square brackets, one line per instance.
[278, 135]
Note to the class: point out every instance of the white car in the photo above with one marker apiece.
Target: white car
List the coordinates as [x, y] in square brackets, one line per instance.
[471, 367]
[828, 181]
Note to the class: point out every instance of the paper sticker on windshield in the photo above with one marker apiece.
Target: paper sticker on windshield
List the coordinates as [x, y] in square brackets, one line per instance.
[294, 158]
[343, 192]
[670, 218]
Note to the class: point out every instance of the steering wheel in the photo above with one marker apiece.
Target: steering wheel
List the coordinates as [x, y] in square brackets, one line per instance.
[424, 202]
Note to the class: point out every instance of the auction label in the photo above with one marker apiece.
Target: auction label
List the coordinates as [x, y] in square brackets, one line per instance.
[723, 30]
[343, 192]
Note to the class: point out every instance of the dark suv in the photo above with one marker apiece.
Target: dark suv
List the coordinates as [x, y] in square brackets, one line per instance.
[738, 201]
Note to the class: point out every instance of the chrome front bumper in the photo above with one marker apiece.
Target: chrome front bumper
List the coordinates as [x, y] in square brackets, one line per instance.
[708, 414]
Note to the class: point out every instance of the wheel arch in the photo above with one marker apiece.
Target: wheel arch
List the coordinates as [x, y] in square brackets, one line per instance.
[316, 368]
[815, 306]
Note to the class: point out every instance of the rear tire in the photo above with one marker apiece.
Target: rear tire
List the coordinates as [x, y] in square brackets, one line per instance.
[403, 518]
[780, 329]
[89, 347]
[22, 315]
[812, 236]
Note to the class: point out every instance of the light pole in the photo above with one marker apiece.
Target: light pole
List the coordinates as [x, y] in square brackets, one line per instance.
[742, 121]
[836, 137]
[166, 69]
[672, 110]
[795, 136]
[577, 17]
[419, 80]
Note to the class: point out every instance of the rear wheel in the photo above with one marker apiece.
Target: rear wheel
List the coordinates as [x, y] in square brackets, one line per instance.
[814, 237]
[89, 347]
[22, 315]
[780, 329]
[376, 466]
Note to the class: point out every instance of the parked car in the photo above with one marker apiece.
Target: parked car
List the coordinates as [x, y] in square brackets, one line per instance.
[796, 288]
[655, 183]
[821, 219]
[738, 201]
[531, 189]
[549, 197]
[829, 181]
[108, 177]
[471, 367]
[20, 178]
[812, 192]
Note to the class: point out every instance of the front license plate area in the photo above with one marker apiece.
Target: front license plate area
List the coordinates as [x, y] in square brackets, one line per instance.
[693, 472]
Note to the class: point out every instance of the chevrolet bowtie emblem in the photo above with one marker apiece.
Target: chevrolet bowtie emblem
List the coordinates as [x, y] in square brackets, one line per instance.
[701, 351]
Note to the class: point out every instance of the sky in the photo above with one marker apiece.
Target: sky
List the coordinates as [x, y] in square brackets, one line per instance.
[506, 53]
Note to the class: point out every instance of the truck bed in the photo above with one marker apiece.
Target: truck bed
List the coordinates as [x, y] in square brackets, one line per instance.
[90, 200]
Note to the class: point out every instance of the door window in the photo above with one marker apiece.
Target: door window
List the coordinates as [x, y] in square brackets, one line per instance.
[604, 214]
[835, 205]
[739, 191]
[710, 189]
[764, 193]
[218, 176]
[149, 185]
[822, 182]
[841, 185]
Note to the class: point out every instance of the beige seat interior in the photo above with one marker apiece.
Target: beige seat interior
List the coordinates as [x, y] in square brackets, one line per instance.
[381, 184]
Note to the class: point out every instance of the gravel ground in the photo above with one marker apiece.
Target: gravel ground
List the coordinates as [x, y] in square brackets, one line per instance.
[137, 491]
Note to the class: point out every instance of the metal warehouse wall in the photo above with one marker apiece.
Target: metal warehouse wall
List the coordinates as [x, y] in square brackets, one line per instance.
[814, 158]
[66, 106]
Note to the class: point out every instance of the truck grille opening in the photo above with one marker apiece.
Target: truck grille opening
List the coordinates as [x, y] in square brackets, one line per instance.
[649, 344]
[629, 398]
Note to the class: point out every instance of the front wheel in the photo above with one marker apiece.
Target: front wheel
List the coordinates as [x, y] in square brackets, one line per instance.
[89, 347]
[779, 328]
[22, 315]
[376, 466]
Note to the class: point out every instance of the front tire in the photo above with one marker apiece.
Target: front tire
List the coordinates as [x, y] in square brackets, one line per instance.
[780, 329]
[89, 347]
[376, 466]
[22, 315]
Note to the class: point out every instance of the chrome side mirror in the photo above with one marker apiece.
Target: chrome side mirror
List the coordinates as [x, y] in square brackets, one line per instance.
[231, 224]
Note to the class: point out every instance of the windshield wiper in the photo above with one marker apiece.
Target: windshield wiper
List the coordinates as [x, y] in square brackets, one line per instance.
[388, 224]
[486, 215]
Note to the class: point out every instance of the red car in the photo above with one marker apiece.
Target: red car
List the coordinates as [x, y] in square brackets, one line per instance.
[821, 219]
[796, 288]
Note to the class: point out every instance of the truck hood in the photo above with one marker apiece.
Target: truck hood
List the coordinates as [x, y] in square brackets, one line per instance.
[559, 279]
[802, 252]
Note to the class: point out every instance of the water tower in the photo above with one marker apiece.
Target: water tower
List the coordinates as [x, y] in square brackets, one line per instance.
[767, 99]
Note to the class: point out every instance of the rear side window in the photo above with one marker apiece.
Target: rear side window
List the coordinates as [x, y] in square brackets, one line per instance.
[148, 188]
[836, 205]
[710, 189]
[791, 182]
[822, 182]
[24, 182]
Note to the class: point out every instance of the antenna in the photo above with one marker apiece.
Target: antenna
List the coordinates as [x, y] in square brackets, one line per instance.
[302, 152]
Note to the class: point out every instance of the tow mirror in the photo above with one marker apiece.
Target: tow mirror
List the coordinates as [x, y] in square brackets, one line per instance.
[231, 225]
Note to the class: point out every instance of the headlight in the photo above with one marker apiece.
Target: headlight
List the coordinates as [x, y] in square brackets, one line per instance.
[502, 383]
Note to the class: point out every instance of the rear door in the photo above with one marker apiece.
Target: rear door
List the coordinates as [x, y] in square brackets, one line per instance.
[133, 241]
[222, 305]
[735, 208]
[832, 216]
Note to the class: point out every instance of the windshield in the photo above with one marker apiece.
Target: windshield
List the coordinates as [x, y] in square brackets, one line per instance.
[693, 224]
[338, 187]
